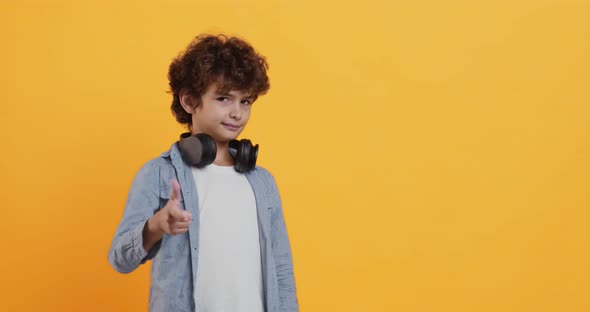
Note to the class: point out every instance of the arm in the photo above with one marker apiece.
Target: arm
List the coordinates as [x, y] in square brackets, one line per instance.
[281, 251]
[127, 248]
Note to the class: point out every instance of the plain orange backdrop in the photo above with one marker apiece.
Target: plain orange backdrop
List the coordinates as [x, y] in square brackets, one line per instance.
[431, 155]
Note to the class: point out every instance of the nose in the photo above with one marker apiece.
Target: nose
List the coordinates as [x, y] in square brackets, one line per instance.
[236, 111]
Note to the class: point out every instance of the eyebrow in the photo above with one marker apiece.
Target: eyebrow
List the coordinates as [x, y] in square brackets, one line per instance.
[250, 97]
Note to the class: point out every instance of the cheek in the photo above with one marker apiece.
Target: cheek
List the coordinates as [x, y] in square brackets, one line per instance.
[209, 116]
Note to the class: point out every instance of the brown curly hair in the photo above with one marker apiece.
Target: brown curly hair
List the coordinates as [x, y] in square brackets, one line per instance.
[230, 62]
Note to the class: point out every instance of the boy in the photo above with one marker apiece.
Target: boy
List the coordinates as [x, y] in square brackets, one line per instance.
[216, 236]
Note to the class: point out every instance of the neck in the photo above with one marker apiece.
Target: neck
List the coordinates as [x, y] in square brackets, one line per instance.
[223, 157]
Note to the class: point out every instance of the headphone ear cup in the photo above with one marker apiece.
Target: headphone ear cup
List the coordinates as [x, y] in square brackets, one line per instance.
[240, 165]
[209, 150]
[254, 156]
[234, 144]
[249, 155]
[245, 158]
[197, 150]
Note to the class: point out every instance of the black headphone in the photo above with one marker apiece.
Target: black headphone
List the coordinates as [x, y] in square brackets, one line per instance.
[200, 150]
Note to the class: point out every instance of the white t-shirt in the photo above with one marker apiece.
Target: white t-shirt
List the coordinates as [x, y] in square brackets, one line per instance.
[229, 274]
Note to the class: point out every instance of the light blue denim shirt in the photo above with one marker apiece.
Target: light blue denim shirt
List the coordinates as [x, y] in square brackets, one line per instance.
[174, 258]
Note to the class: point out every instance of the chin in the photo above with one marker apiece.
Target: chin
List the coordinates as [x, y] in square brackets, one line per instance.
[233, 136]
[225, 138]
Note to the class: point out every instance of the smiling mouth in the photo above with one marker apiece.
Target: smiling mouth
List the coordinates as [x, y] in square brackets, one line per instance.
[231, 127]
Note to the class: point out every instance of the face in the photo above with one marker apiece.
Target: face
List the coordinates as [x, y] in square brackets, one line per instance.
[222, 116]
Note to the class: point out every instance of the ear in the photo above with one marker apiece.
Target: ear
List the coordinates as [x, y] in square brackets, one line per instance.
[187, 101]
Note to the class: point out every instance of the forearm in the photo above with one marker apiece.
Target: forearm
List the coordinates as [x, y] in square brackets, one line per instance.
[152, 232]
[126, 252]
[286, 278]
[284, 266]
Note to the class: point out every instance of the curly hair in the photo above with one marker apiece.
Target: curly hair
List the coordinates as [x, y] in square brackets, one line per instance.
[230, 62]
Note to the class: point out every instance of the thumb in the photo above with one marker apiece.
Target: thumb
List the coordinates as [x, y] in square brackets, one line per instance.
[174, 209]
[175, 192]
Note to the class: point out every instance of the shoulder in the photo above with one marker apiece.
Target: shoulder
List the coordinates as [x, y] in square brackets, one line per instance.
[264, 181]
[156, 167]
[156, 164]
[264, 174]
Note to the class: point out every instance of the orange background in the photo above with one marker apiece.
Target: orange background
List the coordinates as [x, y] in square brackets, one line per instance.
[431, 155]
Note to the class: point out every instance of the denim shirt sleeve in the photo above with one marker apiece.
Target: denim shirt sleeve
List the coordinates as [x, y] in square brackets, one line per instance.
[127, 252]
[281, 250]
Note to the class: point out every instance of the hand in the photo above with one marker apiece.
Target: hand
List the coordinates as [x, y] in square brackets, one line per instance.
[172, 219]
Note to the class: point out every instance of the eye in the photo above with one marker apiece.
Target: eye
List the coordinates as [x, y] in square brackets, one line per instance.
[222, 98]
[247, 102]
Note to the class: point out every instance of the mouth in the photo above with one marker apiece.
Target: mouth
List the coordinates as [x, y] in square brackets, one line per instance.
[232, 127]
